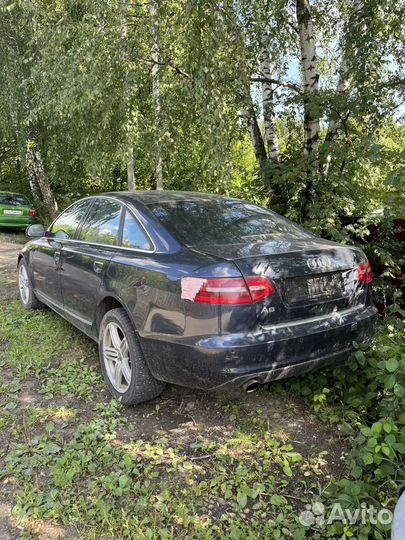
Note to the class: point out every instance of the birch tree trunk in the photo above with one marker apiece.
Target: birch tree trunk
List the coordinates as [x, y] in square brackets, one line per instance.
[156, 89]
[131, 170]
[269, 114]
[34, 187]
[127, 92]
[310, 77]
[38, 179]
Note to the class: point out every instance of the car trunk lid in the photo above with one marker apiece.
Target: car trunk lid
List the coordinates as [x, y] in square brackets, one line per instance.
[311, 276]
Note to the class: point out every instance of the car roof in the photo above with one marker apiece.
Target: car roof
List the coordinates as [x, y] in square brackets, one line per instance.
[159, 196]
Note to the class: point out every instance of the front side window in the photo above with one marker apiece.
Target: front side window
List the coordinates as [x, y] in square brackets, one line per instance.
[102, 224]
[133, 236]
[66, 224]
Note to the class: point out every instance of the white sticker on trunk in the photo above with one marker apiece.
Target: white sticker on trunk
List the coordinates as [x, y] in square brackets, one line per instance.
[190, 287]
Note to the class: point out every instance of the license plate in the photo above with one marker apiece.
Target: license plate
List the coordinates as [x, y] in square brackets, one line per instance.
[322, 285]
[312, 288]
[13, 212]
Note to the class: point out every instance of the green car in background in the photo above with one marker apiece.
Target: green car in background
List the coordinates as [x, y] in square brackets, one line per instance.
[16, 212]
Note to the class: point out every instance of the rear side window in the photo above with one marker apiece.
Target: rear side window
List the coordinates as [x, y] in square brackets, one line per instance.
[223, 221]
[9, 199]
[66, 224]
[102, 224]
[133, 236]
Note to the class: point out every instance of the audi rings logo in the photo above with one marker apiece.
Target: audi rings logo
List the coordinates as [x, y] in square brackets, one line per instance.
[317, 263]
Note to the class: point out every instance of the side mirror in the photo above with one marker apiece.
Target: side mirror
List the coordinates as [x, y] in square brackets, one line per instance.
[35, 231]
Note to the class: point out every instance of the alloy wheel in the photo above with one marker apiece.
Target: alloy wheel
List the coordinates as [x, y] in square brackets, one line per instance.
[23, 284]
[116, 357]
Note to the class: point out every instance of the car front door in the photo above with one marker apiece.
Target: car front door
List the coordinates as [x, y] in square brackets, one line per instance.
[46, 259]
[85, 259]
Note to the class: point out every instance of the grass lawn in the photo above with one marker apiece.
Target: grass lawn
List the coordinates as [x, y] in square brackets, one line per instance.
[76, 464]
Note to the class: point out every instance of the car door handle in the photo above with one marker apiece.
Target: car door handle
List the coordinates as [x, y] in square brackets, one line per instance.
[98, 266]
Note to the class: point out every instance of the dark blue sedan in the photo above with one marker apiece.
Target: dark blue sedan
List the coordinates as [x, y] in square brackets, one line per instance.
[197, 289]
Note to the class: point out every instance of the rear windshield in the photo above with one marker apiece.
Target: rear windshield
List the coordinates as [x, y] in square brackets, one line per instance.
[221, 221]
[13, 200]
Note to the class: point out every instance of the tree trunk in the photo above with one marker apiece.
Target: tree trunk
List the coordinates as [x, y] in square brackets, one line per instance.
[310, 77]
[257, 140]
[269, 114]
[156, 89]
[35, 190]
[130, 170]
[266, 165]
[38, 179]
[126, 95]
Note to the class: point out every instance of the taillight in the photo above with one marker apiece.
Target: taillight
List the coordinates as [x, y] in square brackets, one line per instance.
[364, 272]
[259, 287]
[32, 212]
[226, 290]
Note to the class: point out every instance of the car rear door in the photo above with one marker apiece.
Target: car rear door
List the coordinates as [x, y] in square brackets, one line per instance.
[46, 258]
[85, 259]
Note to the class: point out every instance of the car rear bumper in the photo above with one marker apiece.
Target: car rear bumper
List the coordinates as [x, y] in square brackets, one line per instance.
[276, 352]
[16, 223]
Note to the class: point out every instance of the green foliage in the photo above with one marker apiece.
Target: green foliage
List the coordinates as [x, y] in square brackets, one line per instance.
[365, 398]
[74, 378]
[30, 345]
[83, 75]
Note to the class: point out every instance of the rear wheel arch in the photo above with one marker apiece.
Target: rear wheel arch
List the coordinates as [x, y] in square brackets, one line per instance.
[107, 304]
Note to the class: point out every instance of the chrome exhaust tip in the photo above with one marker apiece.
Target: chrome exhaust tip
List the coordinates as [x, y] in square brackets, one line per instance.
[251, 385]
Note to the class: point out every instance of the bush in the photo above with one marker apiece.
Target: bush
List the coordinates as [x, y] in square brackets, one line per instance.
[364, 398]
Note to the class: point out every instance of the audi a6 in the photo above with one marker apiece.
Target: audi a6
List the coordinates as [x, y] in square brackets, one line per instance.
[198, 290]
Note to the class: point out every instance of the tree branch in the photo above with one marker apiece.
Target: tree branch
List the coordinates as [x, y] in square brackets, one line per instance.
[164, 63]
[277, 82]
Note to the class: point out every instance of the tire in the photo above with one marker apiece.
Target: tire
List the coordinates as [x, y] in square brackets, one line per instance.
[122, 362]
[26, 292]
